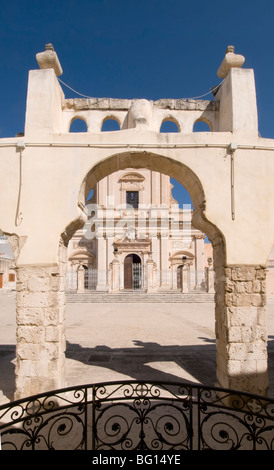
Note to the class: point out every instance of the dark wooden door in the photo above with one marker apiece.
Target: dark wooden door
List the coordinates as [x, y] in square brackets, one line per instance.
[132, 272]
[128, 272]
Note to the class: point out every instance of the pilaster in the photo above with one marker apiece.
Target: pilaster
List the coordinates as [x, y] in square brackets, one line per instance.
[241, 330]
[40, 311]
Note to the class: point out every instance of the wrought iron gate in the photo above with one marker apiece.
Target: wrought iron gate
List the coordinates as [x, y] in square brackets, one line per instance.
[139, 416]
[136, 275]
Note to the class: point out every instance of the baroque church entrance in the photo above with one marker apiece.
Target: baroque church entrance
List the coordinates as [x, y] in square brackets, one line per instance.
[132, 272]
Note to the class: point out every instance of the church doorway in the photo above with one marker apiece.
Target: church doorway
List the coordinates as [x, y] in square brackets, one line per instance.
[132, 272]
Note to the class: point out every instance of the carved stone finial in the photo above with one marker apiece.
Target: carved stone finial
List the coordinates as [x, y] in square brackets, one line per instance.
[49, 47]
[229, 49]
[49, 60]
[231, 60]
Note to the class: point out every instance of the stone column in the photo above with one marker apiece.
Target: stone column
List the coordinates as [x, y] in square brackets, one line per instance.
[210, 276]
[199, 261]
[115, 275]
[80, 279]
[40, 311]
[155, 188]
[156, 258]
[101, 264]
[174, 277]
[165, 281]
[241, 329]
[150, 274]
[185, 280]
[210, 280]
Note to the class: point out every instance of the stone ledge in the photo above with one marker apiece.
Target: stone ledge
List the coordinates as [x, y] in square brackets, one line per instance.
[117, 104]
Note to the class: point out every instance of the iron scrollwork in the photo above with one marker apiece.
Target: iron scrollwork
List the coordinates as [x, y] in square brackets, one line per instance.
[139, 416]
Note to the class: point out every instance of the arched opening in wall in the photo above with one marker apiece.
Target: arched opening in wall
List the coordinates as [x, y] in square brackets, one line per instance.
[169, 125]
[8, 316]
[7, 266]
[197, 270]
[78, 125]
[141, 327]
[90, 196]
[110, 124]
[118, 201]
[182, 196]
[201, 125]
[269, 289]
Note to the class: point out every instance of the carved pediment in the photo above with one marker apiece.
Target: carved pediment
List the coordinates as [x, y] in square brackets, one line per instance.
[132, 177]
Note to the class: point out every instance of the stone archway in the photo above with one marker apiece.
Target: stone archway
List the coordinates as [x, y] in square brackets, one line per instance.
[231, 308]
[218, 169]
[191, 182]
[232, 367]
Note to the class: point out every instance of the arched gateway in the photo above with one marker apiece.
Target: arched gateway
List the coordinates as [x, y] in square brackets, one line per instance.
[47, 175]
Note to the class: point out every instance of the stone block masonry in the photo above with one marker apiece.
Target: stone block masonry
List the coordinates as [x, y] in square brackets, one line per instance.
[40, 311]
[241, 330]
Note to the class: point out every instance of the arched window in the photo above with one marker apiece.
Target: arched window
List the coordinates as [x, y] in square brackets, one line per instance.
[169, 125]
[78, 125]
[201, 126]
[110, 124]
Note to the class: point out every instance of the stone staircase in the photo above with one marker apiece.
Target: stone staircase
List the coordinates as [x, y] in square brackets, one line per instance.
[139, 296]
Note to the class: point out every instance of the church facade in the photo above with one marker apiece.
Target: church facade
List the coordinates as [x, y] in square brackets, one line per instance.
[138, 238]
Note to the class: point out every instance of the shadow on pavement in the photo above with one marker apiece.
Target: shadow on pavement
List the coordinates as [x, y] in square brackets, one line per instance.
[145, 360]
[152, 361]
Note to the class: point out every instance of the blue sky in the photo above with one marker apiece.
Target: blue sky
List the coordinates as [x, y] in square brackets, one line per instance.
[134, 49]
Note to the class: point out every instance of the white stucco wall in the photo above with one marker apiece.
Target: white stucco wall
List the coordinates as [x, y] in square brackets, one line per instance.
[55, 163]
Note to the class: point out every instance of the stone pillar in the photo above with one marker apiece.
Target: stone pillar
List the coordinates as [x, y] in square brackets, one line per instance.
[155, 188]
[80, 279]
[241, 329]
[115, 275]
[185, 280]
[150, 274]
[199, 261]
[164, 257]
[101, 264]
[210, 280]
[155, 241]
[40, 313]
[174, 277]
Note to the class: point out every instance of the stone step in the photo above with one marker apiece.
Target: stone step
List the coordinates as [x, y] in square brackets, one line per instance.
[132, 297]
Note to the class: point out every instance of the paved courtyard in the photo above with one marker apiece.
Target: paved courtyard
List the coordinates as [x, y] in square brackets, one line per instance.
[120, 341]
